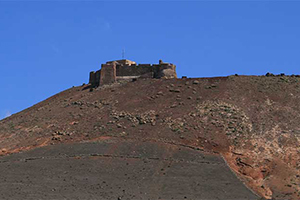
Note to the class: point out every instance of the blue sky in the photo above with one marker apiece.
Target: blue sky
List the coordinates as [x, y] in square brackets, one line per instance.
[49, 46]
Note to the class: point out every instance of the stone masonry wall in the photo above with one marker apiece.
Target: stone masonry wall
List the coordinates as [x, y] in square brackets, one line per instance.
[134, 70]
[92, 78]
[166, 70]
[95, 78]
[108, 74]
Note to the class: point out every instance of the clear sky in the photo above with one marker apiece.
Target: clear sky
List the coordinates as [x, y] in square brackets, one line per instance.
[49, 46]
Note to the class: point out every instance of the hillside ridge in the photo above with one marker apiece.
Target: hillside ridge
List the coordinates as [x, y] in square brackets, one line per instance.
[252, 121]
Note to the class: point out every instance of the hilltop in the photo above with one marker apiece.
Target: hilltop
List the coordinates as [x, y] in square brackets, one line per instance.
[250, 121]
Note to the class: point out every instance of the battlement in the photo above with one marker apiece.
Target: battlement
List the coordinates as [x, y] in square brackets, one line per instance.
[112, 71]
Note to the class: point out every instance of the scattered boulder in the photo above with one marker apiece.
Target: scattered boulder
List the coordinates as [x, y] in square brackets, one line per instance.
[3, 150]
[123, 133]
[175, 90]
[56, 137]
[77, 103]
[269, 74]
[173, 106]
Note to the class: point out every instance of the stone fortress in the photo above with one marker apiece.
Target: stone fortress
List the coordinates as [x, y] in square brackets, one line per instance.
[114, 71]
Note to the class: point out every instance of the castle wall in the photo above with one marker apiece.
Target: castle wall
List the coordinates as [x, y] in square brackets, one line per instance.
[113, 71]
[108, 74]
[166, 70]
[95, 78]
[156, 69]
[92, 78]
[134, 70]
[98, 76]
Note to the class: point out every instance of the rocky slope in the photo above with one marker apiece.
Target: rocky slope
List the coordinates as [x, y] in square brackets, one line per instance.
[118, 168]
[253, 122]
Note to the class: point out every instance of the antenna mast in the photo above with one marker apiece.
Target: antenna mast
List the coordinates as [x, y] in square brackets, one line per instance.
[123, 54]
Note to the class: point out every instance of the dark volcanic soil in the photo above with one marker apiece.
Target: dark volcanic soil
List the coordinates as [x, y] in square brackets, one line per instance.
[253, 122]
[118, 169]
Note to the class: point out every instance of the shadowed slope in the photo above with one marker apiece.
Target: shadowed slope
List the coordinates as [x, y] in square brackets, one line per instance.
[118, 169]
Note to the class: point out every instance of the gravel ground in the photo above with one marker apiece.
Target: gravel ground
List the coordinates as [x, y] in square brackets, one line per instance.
[118, 169]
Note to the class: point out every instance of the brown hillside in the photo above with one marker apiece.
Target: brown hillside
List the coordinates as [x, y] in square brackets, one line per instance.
[253, 122]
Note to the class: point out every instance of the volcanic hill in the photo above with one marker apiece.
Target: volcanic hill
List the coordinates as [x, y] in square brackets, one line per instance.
[158, 138]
